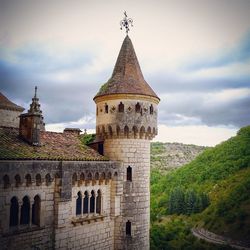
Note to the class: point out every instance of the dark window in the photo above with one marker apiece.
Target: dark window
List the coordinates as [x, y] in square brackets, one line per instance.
[128, 228]
[86, 203]
[79, 203]
[129, 173]
[137, 107]
[96, 110]
[25, 211]
[106, 108]
[98, 202]
[28, 180]
[126, 131]
[92, 202]
[6, 181]
[151, 109]
[38, 180]
[18, 180]
[121, 107]
[48, 179]
[36, 208]
[14, 209]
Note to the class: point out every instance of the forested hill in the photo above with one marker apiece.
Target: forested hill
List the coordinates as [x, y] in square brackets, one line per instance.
[168, 156]
[211, 192]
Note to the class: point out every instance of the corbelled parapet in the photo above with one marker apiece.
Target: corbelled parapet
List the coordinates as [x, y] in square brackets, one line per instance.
[31, 123]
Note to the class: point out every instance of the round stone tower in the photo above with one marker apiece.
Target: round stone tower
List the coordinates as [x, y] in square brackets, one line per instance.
[126, 121]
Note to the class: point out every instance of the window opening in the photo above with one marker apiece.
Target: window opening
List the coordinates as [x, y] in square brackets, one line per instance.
[151, 109]
[121, 107]
[128, 228]
[79, 203]
[6, 181]
[36, 208]
[14, 209]
[98, 202]
[129, 173]
[86, 203]
[106, 108]
[25, 211]
[137, 107]
[92, 202]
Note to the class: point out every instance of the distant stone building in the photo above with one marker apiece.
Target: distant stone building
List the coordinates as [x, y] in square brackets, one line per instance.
[57, 193]
[9, 112]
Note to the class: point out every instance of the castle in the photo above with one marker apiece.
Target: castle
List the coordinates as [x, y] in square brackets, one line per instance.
[56, 193]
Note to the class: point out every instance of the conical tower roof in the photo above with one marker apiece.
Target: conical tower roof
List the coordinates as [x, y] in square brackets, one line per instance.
[127, 77]
[5, 103]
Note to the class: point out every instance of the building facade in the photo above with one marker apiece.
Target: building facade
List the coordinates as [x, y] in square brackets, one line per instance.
[57, 193]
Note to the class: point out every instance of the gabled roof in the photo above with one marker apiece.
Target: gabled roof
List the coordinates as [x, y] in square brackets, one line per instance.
[127, 77]
[54, 146]
[5, 103]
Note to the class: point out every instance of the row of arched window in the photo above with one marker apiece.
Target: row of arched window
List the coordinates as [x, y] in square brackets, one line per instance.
[138, 108]
[89, 203]
[142, 132]
[92, 177]
[26, 213]
[27, 181]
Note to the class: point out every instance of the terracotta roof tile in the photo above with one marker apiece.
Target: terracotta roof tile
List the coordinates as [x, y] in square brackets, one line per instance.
[55, 146]
[5, 103]
[127, 77]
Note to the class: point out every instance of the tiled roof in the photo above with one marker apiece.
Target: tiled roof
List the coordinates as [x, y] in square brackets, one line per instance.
[54, 146]
[127, 77]
[5, 103]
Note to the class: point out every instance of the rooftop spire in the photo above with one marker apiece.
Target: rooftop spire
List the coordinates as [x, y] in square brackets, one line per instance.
[125, 22]
[35, 105]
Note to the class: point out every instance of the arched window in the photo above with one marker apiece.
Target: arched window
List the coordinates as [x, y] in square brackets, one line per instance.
[38, 180]
[128, 228]
[18, 180]
[137, 107]
[96, 110]
[142, 132]
[118, 130]
[110, 130]
[92, 202]
[48, 179]
[135, 131]
[98, 202]
[126, 131]
[151, 109]
[36, 209]
[86, 203]
[6, 181]
[106, 108]
[14, 209]
[74, 179]
[25, 211]
[28, 180]
[129, 173]
[79, 203]
[121, 107]
[82, 178]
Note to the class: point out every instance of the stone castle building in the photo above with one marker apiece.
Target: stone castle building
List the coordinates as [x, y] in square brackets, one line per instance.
[57, 193]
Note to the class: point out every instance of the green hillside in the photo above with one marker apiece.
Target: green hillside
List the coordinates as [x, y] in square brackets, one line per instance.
[222, 174]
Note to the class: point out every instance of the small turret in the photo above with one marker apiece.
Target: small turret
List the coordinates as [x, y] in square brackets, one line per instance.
[31, 123]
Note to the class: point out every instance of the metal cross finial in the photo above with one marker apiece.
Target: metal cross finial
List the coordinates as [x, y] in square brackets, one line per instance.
[126, 22]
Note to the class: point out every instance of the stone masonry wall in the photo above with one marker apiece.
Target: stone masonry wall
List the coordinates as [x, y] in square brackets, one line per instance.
[135, 202]
[60, 227]
[9, 118]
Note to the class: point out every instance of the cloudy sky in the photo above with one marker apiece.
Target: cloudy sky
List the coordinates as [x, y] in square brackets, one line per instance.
[195, 54]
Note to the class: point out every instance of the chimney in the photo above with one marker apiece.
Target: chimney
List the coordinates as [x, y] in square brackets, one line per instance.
[31, 123]
[72, 131]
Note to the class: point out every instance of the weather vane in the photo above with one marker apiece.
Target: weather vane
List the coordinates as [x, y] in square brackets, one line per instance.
[126, 22]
